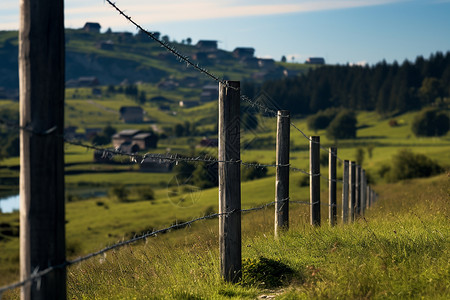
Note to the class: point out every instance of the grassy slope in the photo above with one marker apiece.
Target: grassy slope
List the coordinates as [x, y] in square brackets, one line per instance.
[399, 251]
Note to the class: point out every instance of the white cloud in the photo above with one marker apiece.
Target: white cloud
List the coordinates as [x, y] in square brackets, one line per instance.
[157, 11]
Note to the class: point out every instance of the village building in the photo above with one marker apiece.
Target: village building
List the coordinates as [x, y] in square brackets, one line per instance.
[207, 45]
[132, 140]
[132, 114]
[242, 52]
[315, 60]
[124, 136]
[145, 140]
[266, 63]
[92, 27]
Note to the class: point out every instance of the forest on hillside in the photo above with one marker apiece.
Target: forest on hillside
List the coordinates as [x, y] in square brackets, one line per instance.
[387, 88]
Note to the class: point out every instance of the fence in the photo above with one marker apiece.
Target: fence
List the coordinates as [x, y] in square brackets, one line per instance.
[43, 174]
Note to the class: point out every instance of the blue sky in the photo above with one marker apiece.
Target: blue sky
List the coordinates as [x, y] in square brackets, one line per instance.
[341, 31]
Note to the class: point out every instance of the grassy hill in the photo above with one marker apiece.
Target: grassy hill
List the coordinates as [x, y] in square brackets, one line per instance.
[132, 58]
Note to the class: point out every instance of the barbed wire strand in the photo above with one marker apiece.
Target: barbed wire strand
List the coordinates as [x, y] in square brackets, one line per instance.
[169, 48]
[186, 59]
[39, 274]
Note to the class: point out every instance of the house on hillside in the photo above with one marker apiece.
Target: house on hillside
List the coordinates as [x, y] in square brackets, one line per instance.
[145, 140]
[124, 136]
[92, 27]
[143, 37]
[266, 63]
[315, 60]
[132, 140]
[242, 52]
[207, 45]
[132, 114]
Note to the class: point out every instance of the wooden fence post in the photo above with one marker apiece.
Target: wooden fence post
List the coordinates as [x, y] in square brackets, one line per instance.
[230, 181]
[357, 191]
[332, 209]
[363, 192]
[345, 186]
[351, 203]
[42, 212]
[314, 179]
[282, 172]
[367, 196]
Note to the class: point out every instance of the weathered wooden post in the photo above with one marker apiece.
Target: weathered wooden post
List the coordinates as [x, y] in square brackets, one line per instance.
[363, 191]
[357, 191]
[332, 209]
[282, 172]
[351, 203]
[345, 185]
[314, 179]
[42, 212]
[230, 181]
[368, 196]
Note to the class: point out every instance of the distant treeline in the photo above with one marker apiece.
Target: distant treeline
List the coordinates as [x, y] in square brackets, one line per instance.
[386, 88]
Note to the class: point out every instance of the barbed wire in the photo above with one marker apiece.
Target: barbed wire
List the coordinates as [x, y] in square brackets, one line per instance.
[169, 48]
[37, 275]
[184, 58]
[173, 158]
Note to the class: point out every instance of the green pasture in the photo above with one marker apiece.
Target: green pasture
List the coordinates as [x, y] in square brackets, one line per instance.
[399, 250]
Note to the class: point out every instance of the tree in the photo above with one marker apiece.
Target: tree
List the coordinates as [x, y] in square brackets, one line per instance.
[205, 176]
[283, 59]
[120, 192]
[189, 41]
[343, 126]
[178, 130]
[406, 165]
[142, 97]
[13, 146]
[165, 38]
[360, 156]
[322, 119]
[431, 122]
[252, 173]
[109, 131]
[430, 90]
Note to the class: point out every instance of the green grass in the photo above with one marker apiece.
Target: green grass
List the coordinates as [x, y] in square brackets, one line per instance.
[400, 251]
